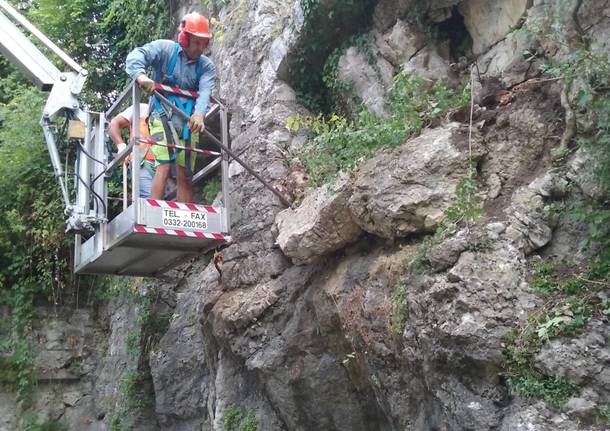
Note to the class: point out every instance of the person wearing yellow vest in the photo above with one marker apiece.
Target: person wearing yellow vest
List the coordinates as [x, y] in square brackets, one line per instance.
[147, 164]
[181, 64]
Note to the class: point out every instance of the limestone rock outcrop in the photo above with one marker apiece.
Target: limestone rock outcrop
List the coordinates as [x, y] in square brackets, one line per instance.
[320, 225]
[346, 312]
[404, 191]
[489, 21]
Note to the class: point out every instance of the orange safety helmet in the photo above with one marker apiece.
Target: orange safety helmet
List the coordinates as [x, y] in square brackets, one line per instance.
[195, 24]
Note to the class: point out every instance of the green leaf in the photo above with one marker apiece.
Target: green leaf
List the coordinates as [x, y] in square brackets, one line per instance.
[584, 98]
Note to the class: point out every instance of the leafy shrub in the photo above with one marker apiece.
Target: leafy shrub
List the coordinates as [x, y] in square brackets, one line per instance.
[239, 419]
[211, 189]
[555, 390]
[34, 252]
[339, 144]
[566, 320]
[466, 204]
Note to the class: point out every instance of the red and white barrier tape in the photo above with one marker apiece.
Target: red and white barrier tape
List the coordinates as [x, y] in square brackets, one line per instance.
[182, 233]
[181, 92]
[178, 147]
[176, 90]
[181, 206]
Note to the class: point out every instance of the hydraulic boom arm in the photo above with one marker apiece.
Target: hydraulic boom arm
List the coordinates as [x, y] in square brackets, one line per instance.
[64, 88]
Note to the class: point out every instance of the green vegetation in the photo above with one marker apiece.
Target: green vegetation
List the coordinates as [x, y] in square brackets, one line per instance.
[211, 189]
[326, 27]
[542, 282]
[555, 390]
[239, 419]
[214, 3]
[150, 326]
[400, 312]
[339, 144]
[12, 83]
[524, 380]
[547, 282]
[34, 251]
[603, 413]
[571, 300]
[466, 206]
[572, 297]
[566, 319]
[420, 263]
[30, 423]
[99, 34]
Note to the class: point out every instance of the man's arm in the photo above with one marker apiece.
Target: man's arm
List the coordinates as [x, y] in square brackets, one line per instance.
[142, 57]
[149, 55]
[207, 82]
[114, 131]
[206, 86]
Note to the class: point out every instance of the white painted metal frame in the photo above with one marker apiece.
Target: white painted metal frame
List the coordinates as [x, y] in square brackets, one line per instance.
[137, 241]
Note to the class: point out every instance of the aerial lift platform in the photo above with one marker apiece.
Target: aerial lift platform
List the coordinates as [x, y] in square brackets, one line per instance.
[148, 236]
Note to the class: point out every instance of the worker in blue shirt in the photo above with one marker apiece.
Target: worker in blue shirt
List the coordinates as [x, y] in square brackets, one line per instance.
[182, 65]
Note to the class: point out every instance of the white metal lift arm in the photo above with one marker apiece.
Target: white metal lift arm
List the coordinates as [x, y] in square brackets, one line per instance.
[64, 88]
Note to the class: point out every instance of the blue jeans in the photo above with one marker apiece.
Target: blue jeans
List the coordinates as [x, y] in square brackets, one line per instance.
[147, 170]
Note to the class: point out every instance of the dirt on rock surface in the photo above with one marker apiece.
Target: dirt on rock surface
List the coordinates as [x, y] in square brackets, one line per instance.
[518, 137]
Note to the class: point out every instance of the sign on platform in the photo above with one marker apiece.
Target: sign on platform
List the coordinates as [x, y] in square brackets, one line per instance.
[180, 219]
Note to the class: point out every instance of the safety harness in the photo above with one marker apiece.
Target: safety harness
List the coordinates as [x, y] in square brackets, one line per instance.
[187, 106]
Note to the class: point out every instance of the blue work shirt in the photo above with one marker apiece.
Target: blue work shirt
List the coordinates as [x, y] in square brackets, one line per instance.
[157, 55]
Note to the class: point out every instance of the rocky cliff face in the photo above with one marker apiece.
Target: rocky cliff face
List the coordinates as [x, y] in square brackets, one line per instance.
[319, 321]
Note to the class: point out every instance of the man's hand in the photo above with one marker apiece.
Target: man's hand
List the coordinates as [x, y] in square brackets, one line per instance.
[196, 124]
[146, 84]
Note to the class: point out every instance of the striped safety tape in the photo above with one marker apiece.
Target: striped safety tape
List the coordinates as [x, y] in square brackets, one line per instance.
[151, 141]
[176, 90]
[181, 206]
[182, 233]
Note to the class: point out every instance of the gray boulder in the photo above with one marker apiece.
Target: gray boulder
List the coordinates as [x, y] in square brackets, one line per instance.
[529, 224]
[320, 225]
[428, 63]
[537, 416]
[489, 21]
[582, 173]
[366, 80]
[399, 44]
[404, 191]
[445, 254]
